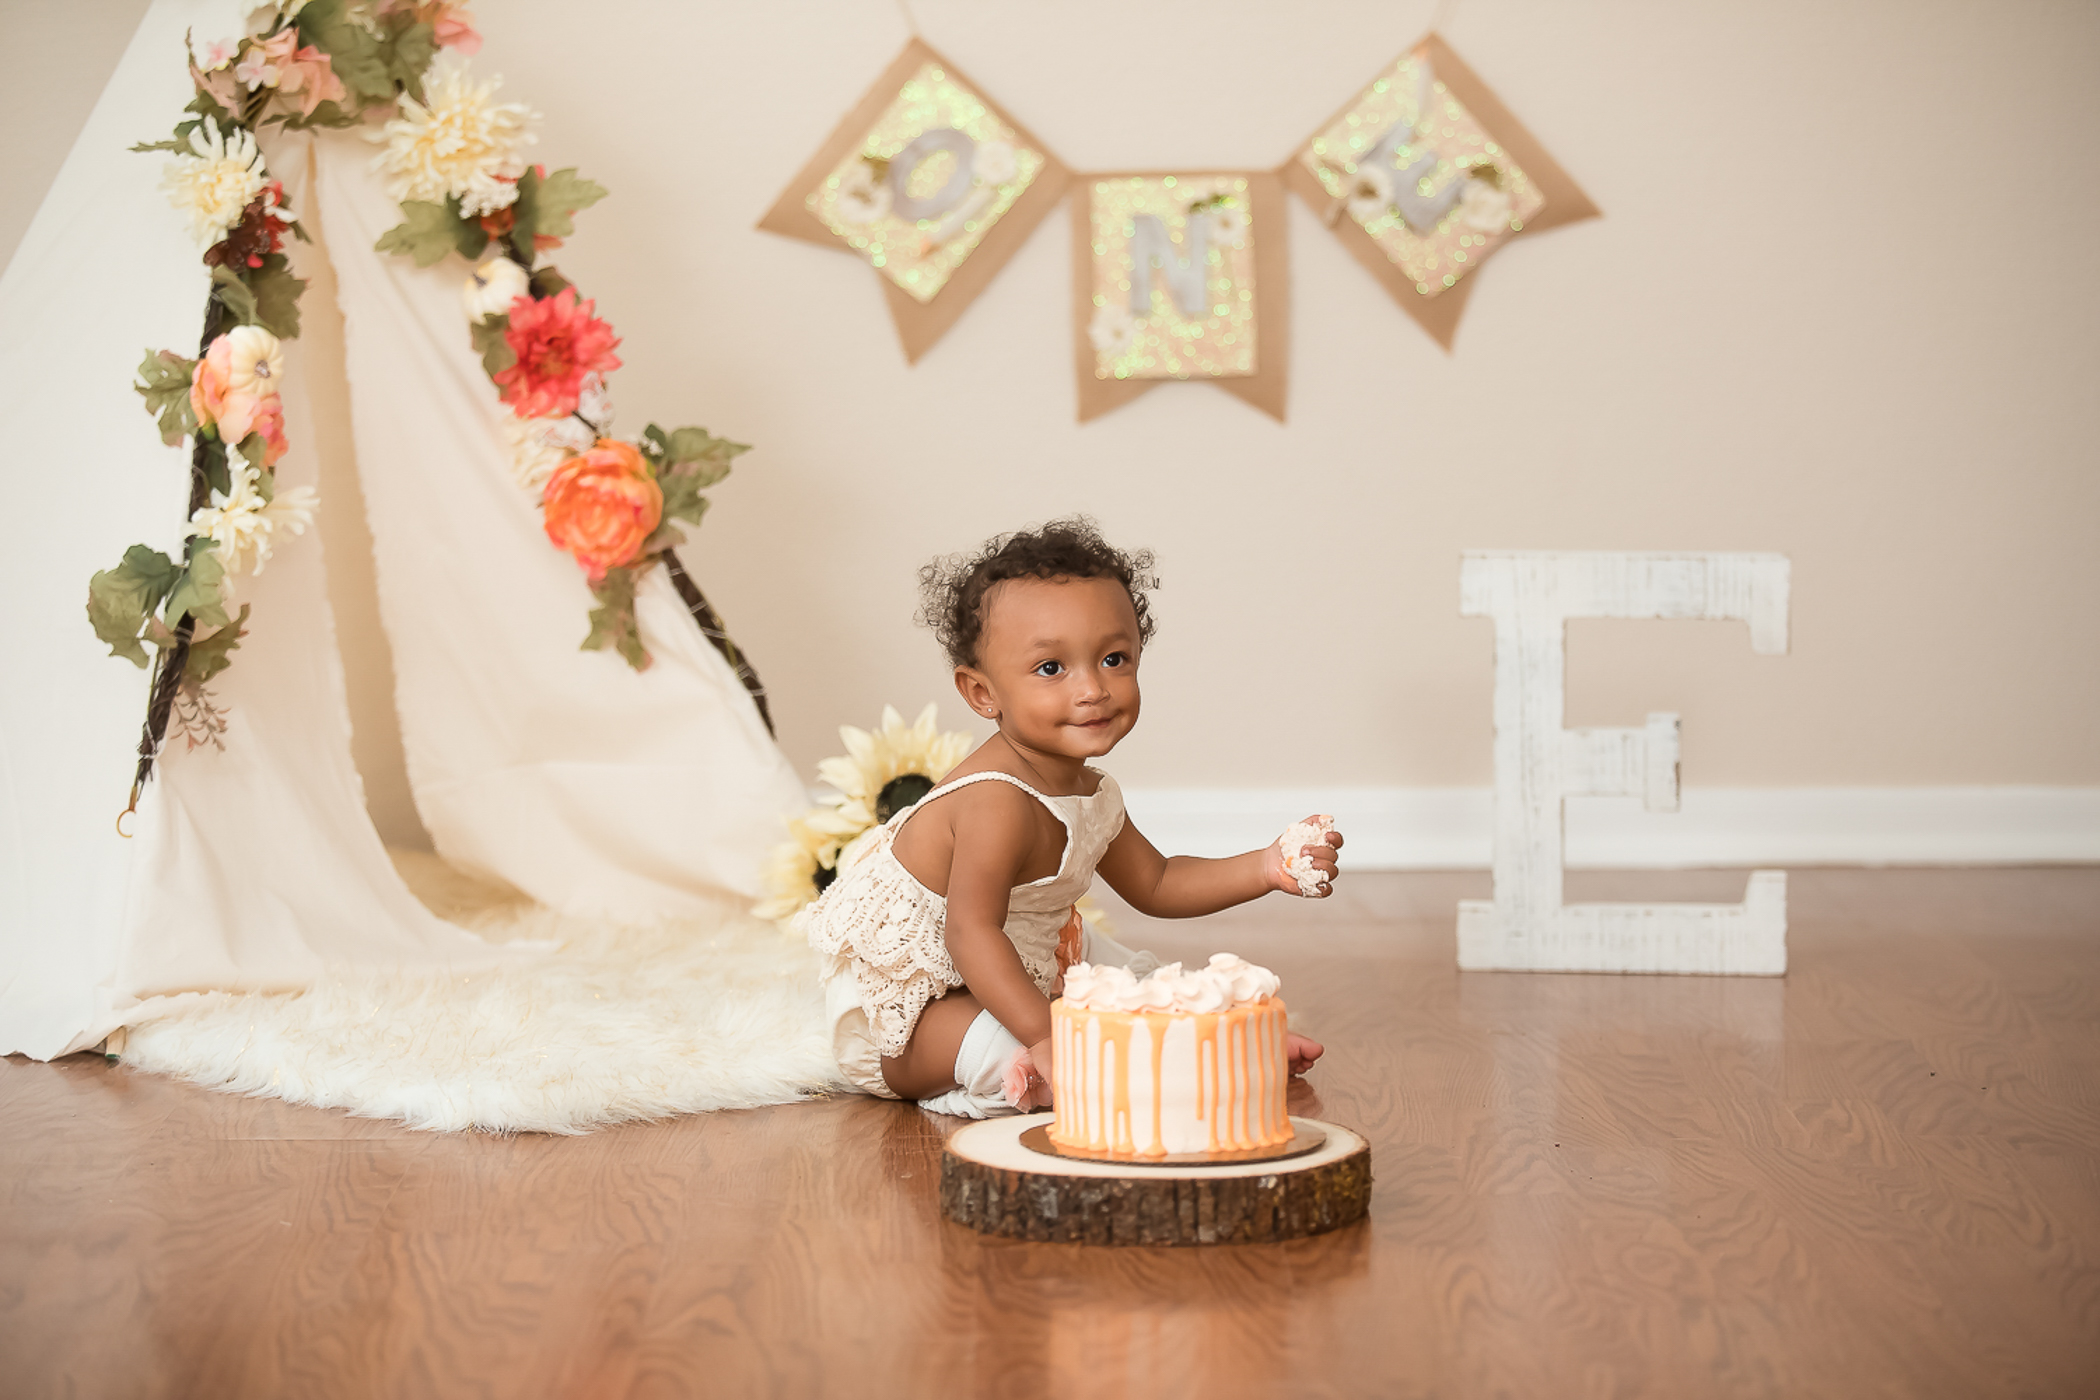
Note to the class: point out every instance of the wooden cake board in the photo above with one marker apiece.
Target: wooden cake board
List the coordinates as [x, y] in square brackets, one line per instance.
[990, 1181]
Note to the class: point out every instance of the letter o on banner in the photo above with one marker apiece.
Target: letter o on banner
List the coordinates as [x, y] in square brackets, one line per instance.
[922, 149]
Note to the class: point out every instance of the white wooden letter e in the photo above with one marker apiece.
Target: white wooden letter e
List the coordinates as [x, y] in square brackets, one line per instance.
[1538, 764]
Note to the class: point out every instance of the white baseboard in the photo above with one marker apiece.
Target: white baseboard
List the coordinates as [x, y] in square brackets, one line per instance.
[1452, 828]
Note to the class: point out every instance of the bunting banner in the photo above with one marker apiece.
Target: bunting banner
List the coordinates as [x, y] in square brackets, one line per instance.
[1177, 275]
[930, 182]
[1425, 176]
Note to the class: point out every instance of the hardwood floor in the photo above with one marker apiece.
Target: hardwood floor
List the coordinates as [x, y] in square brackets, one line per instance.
[1877, 1177]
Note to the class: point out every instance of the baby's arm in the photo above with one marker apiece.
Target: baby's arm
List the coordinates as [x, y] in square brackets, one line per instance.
[994, 837]
[1183, 887]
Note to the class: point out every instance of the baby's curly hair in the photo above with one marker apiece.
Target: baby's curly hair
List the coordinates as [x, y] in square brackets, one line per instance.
[952, 589]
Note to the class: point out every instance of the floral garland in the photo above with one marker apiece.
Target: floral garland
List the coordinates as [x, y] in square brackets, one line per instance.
[453, 158]
[301, 64]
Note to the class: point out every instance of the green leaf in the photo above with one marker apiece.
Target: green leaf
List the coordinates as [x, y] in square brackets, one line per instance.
[496, 354]
[144, 147]
[215, 474]
[277, 294]
[233, 294]
[696, 452]
[205, 105]
[408, 51]
[201, 592]
[470, 238]
[211, 655]
[252, 448]
[121, 600]
[165, 386]
[428, 233]
[682, 498]
[523, 215]
[548, 283]
[353, 51]
[612, 621]
[556, 201]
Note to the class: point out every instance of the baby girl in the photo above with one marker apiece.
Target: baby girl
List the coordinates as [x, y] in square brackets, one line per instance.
[945, 939]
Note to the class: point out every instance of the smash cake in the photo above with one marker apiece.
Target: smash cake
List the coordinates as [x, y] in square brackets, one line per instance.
[1181, 1063]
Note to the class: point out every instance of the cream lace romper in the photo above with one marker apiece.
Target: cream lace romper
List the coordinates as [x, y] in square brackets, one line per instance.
[879, 931]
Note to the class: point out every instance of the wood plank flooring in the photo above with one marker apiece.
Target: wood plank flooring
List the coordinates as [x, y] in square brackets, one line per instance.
[1877, 1177]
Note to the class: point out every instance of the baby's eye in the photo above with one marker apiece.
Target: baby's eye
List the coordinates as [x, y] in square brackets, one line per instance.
[1116, 658]
[1049, 668]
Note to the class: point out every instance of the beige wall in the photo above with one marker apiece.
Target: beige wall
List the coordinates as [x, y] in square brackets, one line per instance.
[1842, 305]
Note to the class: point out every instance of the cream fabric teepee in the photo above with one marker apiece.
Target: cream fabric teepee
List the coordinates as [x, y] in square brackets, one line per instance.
[256, 867]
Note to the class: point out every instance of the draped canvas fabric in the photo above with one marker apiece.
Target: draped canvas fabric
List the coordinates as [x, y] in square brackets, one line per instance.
[252, 867]
[592, 787]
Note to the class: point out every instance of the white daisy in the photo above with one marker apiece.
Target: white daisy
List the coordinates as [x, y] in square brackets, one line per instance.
[1113, 330]
[1370, 194]
[993, 162]
[458, 141]
[863, 199]
[1484, 208]
[1228, 224]
[212, 186]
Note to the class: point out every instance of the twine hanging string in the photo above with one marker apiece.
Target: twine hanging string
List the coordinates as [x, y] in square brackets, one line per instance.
[904, 8]
[1444, 10]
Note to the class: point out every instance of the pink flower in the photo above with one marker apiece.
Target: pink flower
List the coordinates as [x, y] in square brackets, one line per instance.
[268, 419]
[601, 505]
[219, 85]
[307, 72]
[235, 386]
[1024, 1090]
[454, 27]
[558, 342]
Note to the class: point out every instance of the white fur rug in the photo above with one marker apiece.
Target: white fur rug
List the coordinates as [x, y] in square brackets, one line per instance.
[619, 1023]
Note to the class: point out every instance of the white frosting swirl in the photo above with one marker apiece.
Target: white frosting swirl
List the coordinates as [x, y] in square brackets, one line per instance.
[1227, 982]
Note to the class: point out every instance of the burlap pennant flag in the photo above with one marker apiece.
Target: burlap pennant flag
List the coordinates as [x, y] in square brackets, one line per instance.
[930, 182]
[1425, 175]
[1180, 275]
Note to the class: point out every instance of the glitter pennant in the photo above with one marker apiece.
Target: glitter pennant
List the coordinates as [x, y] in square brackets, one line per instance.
[931, 183]
[1179, 275]
[1425, 175]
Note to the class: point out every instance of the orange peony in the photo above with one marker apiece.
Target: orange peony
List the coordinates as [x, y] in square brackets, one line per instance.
[600, 505]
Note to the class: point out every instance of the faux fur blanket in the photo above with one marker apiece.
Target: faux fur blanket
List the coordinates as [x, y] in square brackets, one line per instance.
[617, 1023]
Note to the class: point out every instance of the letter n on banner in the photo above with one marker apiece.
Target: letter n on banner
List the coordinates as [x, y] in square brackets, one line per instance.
[1180, 276]
[1539, 764]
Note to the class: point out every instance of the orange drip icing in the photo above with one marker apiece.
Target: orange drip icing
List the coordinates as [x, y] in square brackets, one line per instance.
[1234, 1067]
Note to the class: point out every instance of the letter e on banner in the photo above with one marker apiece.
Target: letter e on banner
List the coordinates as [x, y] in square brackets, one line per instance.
[1539, 764]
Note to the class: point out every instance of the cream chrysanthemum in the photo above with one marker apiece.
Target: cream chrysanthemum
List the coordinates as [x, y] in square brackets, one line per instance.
[874, 761]
[245, 527]
[458, 141]
[213, 186]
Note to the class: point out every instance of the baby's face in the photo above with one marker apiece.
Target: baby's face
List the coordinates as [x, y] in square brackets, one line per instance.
[1059, 658]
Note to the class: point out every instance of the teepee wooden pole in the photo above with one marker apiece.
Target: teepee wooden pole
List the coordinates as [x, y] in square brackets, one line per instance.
[711, 628]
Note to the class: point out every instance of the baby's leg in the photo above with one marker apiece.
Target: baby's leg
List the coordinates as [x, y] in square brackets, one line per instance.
[927, 1066]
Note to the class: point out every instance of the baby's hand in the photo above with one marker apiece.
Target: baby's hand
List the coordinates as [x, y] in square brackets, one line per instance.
[1301, 1051]
[1028, 1078]
[1302, 860]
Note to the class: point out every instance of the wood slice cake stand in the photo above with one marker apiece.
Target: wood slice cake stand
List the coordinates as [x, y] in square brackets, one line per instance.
[992, 1181]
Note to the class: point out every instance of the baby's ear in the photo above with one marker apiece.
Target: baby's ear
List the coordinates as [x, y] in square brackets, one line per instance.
[976, 692]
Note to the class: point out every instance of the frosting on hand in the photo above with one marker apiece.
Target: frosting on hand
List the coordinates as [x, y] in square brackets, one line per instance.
[1227, 982]
[1298, 865]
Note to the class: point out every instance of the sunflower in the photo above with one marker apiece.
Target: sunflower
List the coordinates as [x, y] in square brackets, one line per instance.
[884, 772]
[790, 875]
